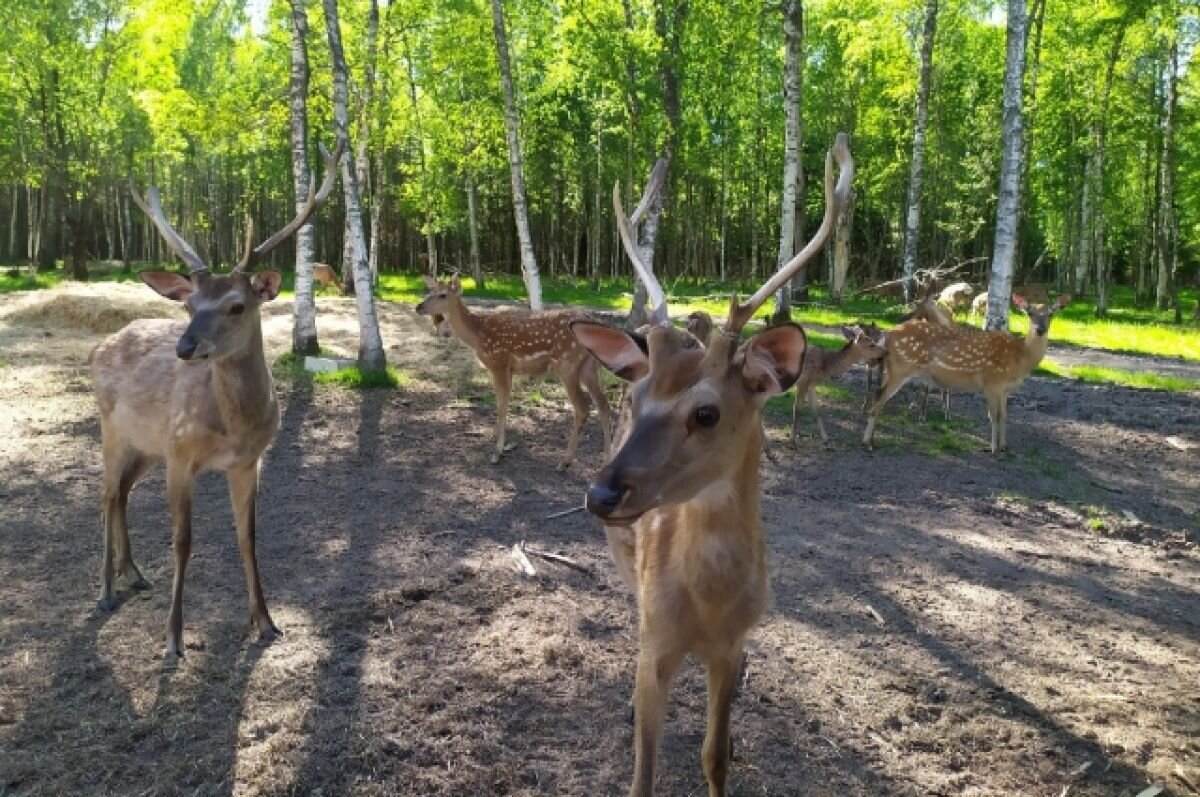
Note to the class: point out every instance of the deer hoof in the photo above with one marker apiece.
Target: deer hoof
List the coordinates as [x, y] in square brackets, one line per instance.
[563, 465]
[496, 458]
[828, 445]
[139, 584]
[107, 604]
[173, 656]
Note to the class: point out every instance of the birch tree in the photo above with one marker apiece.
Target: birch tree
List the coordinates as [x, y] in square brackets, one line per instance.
[793, 36]
[916, 174]
[1012, 145]
[304, 309]
[529, 268]
[371, 357]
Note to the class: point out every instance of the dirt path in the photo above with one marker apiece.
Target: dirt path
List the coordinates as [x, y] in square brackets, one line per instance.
[944, 623]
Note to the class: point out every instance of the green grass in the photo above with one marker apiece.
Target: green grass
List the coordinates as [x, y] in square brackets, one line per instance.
[355, 379]
[288, 367]
[1116, 376]
[1127, 329]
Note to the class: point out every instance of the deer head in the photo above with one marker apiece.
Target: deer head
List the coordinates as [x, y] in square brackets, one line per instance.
[442, 296]
[1040, 314]
[224, 309]
[694, 425]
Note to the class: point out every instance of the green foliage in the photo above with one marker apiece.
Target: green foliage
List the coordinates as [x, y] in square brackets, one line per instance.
[1115, 376]
[356, 379]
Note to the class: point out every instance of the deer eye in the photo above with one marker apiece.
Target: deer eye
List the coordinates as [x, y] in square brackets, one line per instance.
[707, 415]
[237, 309]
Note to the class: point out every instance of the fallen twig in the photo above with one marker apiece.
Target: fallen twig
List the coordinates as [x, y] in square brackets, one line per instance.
[564, 513]
[878, 617]
[565, 561]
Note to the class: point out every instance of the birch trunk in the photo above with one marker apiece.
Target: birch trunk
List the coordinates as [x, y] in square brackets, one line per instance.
[529, 268]
[793, 32]
[1004, 251]
[371, 357]
[304, 309]
[916, 175]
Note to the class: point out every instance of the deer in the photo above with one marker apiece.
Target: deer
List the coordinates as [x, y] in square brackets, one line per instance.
[197, 395]
[680, 498]
[993, 363]
[956, 297]
[821, 366]
[700, 325]
[324, 275]
[523, 342]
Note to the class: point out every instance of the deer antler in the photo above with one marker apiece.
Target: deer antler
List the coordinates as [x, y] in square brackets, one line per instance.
[315, 198]
[625, 226]
[836, 198]
[154, 212]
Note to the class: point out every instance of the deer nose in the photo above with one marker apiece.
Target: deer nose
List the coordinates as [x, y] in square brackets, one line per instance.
[602, 499]
[186, 347]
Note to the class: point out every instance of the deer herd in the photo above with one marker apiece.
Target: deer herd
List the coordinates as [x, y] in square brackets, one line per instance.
[679, 491]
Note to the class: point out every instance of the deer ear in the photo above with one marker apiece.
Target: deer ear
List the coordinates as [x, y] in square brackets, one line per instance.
[774, 359]
[621, 352]
[266, 284]
[850, 333]
[1061, 302]
[168, 284]
[430, 283]
[1020, 302]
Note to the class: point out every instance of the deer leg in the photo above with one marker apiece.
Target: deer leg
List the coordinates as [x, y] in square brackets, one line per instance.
[502, 380]
[874, 372]
[812, 402]
[243, 495]
[179, 495]
[799, 398]
[1004, 422]
[654, 675]
[127, 569]
[993, 408]
[122, 467]
[579, 405]
[886, 390]
[946, 404]
[923, 406]
[722, 687]
[591, 381]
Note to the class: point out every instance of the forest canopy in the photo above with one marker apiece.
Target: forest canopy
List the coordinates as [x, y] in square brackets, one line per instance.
[192, 95]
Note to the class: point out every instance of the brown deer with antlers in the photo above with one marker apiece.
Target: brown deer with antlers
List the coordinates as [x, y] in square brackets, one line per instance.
[680, 498]
[198, 395]
[993, 363]
[523, 342]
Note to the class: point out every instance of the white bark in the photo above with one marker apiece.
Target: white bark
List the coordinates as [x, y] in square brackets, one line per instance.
[793, 23]
[1168, 232]
[473, 224]
[529, 268]
[1012, 140]
[916, 175]
[304, 309]
[371, 356]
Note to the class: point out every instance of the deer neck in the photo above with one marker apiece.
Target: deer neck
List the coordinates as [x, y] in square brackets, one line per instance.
[464, 323]
[242, 384]
[1035, 349]
[840, 361]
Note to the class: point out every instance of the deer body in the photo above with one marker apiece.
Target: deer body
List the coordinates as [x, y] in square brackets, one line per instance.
[680, 499]
[324, 275]
[993, 363]
[197, 395]
[527, 343]
[820, 366]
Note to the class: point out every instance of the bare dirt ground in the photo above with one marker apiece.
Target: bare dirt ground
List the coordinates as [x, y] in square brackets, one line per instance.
[944, 623]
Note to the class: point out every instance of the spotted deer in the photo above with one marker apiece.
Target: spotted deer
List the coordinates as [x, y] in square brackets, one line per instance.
[680, 499]
[197, 395]
[523, 342]
[993, 363]
[820, 366]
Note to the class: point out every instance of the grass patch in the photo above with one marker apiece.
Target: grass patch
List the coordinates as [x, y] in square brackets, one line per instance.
[355, 379]
[1115, 376]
